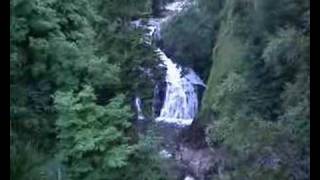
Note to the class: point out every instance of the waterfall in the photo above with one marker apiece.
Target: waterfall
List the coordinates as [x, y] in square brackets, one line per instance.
[181, 101]
[180, 105]
[138, 106]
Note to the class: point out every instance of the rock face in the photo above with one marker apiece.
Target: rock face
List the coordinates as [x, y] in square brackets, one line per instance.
[158, 99]
[194, 156]
[197, 162]
[200, 163]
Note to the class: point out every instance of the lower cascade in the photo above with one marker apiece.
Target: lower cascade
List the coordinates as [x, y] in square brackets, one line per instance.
[181, 101]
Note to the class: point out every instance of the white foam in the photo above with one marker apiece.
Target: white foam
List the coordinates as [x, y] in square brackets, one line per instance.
[164, 153]
[181, 101]
[181, 122]
[188, 178]
[176, 6]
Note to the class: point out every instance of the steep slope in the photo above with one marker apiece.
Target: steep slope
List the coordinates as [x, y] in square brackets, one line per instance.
[256, 105]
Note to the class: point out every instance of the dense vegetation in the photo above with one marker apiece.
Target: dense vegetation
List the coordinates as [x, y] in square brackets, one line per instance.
[75, 66]
[70, 112]
[256, 105]
[190, 36]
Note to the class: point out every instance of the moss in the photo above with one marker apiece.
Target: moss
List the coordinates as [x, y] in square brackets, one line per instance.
[229, 56]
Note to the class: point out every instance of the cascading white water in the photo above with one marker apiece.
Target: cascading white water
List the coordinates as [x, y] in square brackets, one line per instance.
[138, 106]
[181, 102]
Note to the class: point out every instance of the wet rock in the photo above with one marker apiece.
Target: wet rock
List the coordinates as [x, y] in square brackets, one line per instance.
[159, 95]
[189, 178]
[194, 136]
[197, 161]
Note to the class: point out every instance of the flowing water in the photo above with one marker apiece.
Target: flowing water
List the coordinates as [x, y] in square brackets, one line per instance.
[181, 101]
[138, 106]
[180, 104]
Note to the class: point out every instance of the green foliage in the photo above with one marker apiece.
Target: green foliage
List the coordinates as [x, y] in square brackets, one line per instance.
[189, 37]
[285, 52]
[234, 63]
[256, 104]
[146, 163]
[257, 101]
[56, 47]
[24, 160]
[91, 136]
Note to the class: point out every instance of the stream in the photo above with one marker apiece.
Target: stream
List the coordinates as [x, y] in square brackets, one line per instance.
[180, 103]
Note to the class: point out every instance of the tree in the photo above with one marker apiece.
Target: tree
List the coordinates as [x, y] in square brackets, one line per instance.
[92, 137]
[256, 105]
